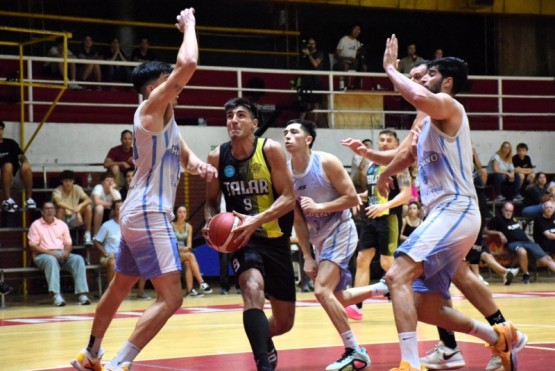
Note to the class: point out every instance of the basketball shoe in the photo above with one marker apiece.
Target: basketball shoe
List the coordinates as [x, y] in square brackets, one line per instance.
[272, 354]
[505, 347]
[125, 366]
[443, 358]
[405, 366]
[495, 361]
[354, 312]
[84, 361]
[351, 360]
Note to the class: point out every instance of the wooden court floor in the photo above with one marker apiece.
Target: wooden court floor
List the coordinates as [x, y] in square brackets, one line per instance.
[207, 333]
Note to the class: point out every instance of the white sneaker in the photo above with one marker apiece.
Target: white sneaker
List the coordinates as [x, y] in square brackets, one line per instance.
[88, 239]
[59, 301]
[83, 299]
[125, 366]
[205, 288]
[509, 275]
[30, 203]
[195, 294]
[494, 364]
[351, 360]
[74, 86]
[483, 280]
[443, 358]
[9, 205]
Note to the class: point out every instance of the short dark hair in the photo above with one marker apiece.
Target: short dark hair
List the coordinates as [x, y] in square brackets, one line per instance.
[67, 174]
[308, 127]
[239, 101]
[522, 145]
[2, 125]
[388, 132]
[452, 67]
[148, 72]
[367, 140]
[107, 174]
[125, 132]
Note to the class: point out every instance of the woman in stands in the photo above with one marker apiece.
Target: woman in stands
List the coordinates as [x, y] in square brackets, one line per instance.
[502, 172]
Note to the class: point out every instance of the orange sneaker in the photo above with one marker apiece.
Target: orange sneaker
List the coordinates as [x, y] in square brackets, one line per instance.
[405, 366]
[505, 347]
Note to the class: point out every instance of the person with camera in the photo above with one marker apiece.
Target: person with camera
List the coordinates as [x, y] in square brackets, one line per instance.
[312, 59]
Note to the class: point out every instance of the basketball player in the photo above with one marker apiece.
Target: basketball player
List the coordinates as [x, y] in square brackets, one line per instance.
[325, 193]
[257, 186]
[148, 247]
[420, 276]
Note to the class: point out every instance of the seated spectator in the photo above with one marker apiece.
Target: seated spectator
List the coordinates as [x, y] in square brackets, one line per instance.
[411, 221]
[120, 157]
[348, 54]
[544, 228]
[87, 50]
[502, 172]
[510, 232]
[143, 53]
[116, 73]
[438, 53]
[523, 164]
[535, 195]
[480, 252]
[184, 234]
[406, 63]
[51, 246]
[107, 241]
[13, 163]
[103, 197]
[57, 68]
[127, 177]
[74, 206]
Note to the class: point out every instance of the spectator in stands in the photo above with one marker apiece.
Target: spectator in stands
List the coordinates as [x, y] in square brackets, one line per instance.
[88, 51]
[405, 64]
[510, 232]
[120, 157]
[411, 221]
[480, 252]
[14, 164]
[74, 206]
[544, 228]
[127, 177]
[103, 197]
[184, 234]
[312, 59]
[51, 246]
[57, 68]
[501, 171]
[523, 164]
[143, 53]
[535, 195]
[438, 53]
[107, 242]
[348, 54]
[116, 73]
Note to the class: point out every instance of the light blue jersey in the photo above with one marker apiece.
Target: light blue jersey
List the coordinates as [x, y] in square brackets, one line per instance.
[109, 235]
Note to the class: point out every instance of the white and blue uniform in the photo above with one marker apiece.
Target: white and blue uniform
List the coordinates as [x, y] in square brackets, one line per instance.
[148, 246]
[333, 234]
[453, 219]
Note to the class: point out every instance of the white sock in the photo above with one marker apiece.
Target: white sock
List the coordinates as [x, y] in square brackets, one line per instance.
[379, 289]
[126, 354]
[349, 340]
[484, 332]
[409, 348]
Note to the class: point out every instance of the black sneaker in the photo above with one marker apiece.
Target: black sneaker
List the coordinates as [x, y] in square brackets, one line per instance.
[9, 205]
[526, 278]
[5, 289]
[272, 354]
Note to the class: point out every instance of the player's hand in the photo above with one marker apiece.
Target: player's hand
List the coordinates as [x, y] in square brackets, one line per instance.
[384, 185]
[308, 205]
[373, 211]
[244, 232]
[390, 53]
[356, 209]
[207, 171]
[310, 268]
[186, 17]
[503, 238]
[205, 234]
[356, 146]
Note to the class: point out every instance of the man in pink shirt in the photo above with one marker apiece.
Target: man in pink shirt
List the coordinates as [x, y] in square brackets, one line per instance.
[51, 246]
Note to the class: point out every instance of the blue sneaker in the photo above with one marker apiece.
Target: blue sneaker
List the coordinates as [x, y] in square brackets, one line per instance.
[351, 360]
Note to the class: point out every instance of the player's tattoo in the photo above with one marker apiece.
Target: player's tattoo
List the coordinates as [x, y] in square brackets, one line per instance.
[403, 178]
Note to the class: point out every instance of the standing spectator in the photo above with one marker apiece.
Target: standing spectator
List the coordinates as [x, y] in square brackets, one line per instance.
[127, 177]
[50, 244]
[103, 197]
[359, 166]
[411, 221]
[120, 157]
[263, 266]
[312, 59]
[501, 171]
[523, 165]
[347, 55]
[535, 195]
[88, 51]
[411, 59]
[544, 228]
[148, 247]
[57, 68]
[116, 73]
[143, 53]
[13, 163]
[74, 206]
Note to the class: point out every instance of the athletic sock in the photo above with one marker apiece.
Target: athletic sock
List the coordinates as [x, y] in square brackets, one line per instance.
[349, 340]
[257, 329]
[409, 348]
[94, 346]
[127, 354]
[484, 332]
[447, 337]
[496, 318]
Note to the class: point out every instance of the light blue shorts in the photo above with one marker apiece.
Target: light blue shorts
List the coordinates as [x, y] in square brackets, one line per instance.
[148, 246]
[442, 241]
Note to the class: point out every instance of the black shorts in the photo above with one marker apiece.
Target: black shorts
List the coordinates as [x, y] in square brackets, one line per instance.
[375, 233]
[474, 256]
[272, 257]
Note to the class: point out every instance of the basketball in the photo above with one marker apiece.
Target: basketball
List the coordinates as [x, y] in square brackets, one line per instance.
[219, 232]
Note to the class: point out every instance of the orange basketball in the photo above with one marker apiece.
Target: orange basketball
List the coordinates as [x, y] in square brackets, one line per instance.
[219, 232]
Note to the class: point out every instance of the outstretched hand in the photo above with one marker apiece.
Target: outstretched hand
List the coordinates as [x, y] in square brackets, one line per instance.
[390, 53]
[187, 16]
[356, 146]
